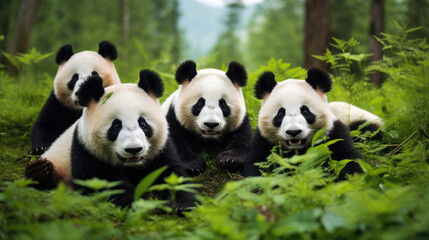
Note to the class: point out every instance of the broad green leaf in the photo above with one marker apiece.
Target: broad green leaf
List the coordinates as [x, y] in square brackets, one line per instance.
[96, 184]
[332, 222]
[11, 59]
[147, 181]
[318, 135]
[365, 166]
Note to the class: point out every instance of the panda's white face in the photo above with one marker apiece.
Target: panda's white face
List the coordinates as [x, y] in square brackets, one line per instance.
[127, 128]
[72, 73]
[293, 113]
[210, 105]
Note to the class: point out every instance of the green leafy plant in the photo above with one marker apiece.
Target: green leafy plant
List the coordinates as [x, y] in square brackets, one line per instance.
[30, 58]
[342, 61]
[174, 183]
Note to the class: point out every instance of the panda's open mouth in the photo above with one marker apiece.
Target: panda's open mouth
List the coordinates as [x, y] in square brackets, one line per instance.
[130, 159]
[296, 142]
[209, 133]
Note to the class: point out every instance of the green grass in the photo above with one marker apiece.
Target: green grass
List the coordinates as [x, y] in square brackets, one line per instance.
[389, 201]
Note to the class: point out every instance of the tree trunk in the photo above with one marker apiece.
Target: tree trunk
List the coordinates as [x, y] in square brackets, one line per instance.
[175, 49]
[24, 24]
[5, 8]
[26, 18]
[376, 27]
[317, 31]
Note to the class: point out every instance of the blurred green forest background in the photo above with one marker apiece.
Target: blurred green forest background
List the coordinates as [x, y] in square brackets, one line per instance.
[149, 33]
[375, 50]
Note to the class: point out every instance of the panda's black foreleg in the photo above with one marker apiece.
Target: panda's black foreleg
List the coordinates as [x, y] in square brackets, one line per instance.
[259, 150]
[189, 156]
[344, 149]
[54, 118]
[188, 145]
[237, 147]
[193, 163]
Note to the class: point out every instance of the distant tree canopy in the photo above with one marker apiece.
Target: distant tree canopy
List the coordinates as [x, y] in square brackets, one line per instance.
[143, 31]
[147, 34]
[276, 31]
[228, 47]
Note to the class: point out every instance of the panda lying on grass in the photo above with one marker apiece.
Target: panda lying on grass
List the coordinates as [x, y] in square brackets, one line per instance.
[61, 109]
[121, 136]
[292, 111]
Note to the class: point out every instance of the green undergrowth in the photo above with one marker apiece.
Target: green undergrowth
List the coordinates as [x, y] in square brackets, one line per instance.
[296, 198]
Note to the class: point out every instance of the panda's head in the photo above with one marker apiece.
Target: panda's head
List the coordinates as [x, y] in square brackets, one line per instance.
[123, 124]
[293, 110]
[210, 102]
[74, 69]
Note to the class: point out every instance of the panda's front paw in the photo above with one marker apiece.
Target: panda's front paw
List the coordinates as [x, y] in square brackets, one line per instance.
[229, 161]
[41, 170]
[194, 168]
[350, 169]
[37, 151]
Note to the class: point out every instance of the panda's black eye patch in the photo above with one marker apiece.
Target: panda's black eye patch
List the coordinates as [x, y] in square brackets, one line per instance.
[226, 111]
[114, 130]
[142, 123]
[278, 119]
[196, 109]
[307, 114]
[145, 127]
[73, 81]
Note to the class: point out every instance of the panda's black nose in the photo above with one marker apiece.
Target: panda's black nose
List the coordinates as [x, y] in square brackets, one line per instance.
[293, 133]
[211, 124]
[133, 150]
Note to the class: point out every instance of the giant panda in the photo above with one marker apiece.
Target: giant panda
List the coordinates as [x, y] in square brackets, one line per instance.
[207, 113]
[61, 109]
[292, 111]
[122, 135]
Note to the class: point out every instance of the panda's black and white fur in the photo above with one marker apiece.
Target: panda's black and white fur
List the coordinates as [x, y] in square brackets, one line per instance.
[353, 117]
[121, 136]
[208, 113]
[61, 109]
[292, 111]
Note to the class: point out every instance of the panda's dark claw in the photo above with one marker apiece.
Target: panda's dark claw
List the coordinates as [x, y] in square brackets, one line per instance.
[229, 161]
[37, 151]
[194, 168]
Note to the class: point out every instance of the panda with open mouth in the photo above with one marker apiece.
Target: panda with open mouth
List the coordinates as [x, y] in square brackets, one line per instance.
[292, 111]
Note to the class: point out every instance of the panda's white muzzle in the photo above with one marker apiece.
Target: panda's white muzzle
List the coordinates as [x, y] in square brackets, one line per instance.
[295, 132]
[210, 121]
[132, 146]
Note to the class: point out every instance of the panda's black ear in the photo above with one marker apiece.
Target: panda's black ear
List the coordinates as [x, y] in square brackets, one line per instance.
[151, 83]
[186, 71]
[319, 79]
[265, 84]
[64, 54]
[107, 50]
[91, 89]
[237, 73]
